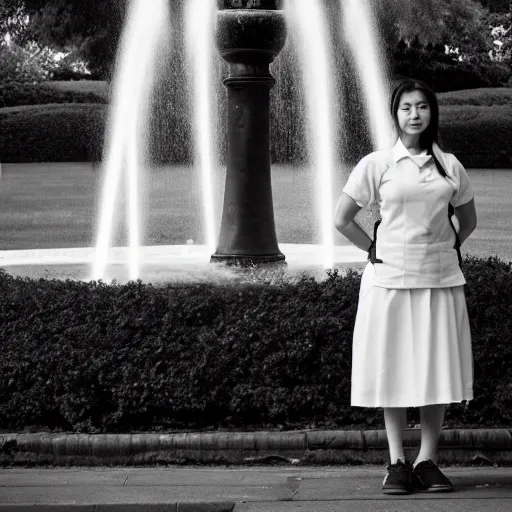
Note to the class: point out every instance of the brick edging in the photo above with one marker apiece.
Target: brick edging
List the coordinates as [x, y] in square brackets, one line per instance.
[318, 446]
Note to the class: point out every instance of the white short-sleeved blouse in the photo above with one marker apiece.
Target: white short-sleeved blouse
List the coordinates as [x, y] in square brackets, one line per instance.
[415, 239]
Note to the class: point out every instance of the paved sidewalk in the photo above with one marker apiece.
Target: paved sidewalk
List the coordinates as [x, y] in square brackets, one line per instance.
[243, 489]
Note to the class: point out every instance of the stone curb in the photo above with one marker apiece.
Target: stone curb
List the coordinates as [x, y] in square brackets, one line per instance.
[457, 446]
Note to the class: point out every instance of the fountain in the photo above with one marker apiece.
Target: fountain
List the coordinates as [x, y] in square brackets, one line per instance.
[248, 35]
[248, 40]
[145, 30]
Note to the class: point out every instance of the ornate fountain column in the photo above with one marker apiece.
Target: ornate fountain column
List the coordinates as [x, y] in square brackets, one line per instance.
[249, 35]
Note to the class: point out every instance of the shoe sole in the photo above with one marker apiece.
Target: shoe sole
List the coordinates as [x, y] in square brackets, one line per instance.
[436, 489]
[396, 491]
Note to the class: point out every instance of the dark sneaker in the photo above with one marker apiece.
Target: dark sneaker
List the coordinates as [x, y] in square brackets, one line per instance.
[427, 477]
[399, 479]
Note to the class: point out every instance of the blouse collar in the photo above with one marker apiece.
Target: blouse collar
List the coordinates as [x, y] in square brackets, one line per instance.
[400, 151]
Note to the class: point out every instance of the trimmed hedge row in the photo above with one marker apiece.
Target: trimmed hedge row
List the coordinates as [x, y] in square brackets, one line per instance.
[479, 136]
[71, 132]
[453, 76]
[91, 357]
[476, 125]
[14, 94]
[491, 96]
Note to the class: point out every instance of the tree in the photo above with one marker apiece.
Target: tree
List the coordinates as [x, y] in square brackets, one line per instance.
[432, 21]
[14, 22]
[89, 28]
[22, 57]
[497, 5]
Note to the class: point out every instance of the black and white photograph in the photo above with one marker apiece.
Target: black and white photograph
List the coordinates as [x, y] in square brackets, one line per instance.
[256, 255]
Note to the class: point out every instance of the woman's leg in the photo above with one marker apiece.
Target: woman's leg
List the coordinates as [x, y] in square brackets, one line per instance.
[431, 417]
[395, 420]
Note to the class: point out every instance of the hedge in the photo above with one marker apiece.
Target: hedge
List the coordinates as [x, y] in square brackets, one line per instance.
[91, 357]
[449, 76]
[14, 94]
[71, 132]
[478, 135]
[476, 125]
[483, 97]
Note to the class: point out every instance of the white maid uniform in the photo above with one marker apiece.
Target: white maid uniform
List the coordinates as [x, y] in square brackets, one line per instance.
[412, 340]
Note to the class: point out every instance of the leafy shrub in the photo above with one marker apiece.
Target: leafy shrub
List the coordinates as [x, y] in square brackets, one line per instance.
[476, 125]
[99, 88]
[478, 135]
[448, 77]
[445, 73]
[484, 97]
[29, 63]
[66, 73]
[95, 358]
[70, 132]
[15, 94]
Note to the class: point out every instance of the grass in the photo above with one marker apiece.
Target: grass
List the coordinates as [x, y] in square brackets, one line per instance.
[55, 206]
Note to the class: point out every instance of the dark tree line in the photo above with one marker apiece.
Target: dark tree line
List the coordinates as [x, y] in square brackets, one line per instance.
[92, 28]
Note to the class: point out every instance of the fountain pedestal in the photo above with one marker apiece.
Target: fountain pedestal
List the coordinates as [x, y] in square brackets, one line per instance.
[249, 40]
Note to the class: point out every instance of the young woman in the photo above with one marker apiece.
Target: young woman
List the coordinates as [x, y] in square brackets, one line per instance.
[412, 341]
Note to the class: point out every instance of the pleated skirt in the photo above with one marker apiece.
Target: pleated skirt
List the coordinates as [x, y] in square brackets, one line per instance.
[411, 347]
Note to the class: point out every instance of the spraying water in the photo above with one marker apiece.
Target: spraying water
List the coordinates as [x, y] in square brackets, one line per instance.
[199, 29]
[308, 25]
[147, 25]
[362, 36]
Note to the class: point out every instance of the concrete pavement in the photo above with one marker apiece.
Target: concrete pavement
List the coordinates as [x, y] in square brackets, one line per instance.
[243, 489]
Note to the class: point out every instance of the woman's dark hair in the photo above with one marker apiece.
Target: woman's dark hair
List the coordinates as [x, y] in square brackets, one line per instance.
[431, 134]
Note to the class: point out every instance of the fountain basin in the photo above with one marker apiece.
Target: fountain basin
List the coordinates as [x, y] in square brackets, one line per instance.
[250, 4]
[244, 34]
[172, 264]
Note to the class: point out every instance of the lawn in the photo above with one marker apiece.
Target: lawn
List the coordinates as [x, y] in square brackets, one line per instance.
[56, 205]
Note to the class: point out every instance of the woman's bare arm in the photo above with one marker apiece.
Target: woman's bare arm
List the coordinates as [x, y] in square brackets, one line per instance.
[466, 217]
[346, 210]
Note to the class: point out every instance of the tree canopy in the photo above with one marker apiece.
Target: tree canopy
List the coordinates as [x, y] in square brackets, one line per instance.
[450, 22]
[13, 15]
[91, 28]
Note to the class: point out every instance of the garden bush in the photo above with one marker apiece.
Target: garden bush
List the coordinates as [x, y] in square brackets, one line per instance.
[14, 94]
[478, 135]
[445, 72]
[100, 88]
[28, 63]
[484, 97]
[52, 133]
[448, 77]
[476, 125]
[91, 357]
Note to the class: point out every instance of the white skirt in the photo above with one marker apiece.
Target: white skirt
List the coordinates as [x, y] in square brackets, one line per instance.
[411, 347]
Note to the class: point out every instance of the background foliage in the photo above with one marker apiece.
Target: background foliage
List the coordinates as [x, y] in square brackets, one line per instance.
[91, 29]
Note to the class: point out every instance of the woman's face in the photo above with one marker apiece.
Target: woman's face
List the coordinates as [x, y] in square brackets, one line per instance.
[413, 113]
